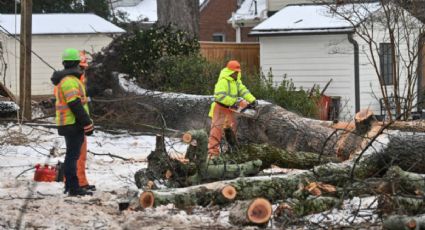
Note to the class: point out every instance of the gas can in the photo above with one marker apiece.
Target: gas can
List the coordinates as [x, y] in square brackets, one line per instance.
[45, 173]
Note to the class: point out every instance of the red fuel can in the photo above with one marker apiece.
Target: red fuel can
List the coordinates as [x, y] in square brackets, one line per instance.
[45, 173]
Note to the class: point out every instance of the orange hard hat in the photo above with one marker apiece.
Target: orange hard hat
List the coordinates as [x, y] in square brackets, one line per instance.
[234, 65]
[83, 59]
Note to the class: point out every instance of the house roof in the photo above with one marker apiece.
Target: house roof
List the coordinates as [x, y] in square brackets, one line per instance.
[296, 19]
[250, 11]
[144, 11]
[60, 24]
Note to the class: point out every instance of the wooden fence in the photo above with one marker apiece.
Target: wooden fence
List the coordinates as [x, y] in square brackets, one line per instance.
[248, 54]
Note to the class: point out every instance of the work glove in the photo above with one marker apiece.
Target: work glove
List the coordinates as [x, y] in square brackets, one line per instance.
[253, 104]
[88, 129]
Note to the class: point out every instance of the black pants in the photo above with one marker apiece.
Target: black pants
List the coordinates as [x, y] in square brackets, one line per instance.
[73, 147]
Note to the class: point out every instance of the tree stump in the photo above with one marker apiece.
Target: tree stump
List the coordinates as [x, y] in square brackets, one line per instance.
[251, 212]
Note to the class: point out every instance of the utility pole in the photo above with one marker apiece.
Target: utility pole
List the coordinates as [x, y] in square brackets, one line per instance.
[25, 60]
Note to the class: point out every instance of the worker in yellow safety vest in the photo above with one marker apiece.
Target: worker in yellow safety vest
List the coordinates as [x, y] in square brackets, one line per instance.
[228, 89]
[72, 116]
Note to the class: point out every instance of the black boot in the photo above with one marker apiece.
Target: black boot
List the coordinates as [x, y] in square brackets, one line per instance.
[79, 192]
[89, 187]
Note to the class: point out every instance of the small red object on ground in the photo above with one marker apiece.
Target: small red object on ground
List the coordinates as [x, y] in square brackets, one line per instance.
[45, 173]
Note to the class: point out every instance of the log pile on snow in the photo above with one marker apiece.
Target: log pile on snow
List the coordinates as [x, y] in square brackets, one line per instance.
[327, 163]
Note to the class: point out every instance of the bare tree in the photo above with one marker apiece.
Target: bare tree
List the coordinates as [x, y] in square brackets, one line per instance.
[182, 14]
[391, 42]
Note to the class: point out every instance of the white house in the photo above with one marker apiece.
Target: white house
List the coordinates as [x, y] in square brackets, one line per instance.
[253, 12]
[51, 34]
[312, 44]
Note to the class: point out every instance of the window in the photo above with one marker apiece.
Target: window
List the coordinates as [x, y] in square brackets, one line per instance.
[218, 37]
[386, 62]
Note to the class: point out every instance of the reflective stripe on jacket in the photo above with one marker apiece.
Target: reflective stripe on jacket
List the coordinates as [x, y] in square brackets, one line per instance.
[227, 90]
[69, 89]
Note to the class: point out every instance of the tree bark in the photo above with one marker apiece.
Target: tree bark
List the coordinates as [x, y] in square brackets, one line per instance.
[183, 14]
[184, 198]
[314, 204]
[401, 205]
[407, 182]
[400, 222]
[270, 155]
[406, 150]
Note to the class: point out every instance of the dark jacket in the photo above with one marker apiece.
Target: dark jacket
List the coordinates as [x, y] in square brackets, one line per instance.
[81, 117]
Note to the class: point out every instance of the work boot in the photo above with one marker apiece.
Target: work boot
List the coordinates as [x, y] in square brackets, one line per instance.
[89, 187]
[79, 192]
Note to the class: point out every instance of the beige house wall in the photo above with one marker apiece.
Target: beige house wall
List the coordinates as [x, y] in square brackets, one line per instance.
[50, 48]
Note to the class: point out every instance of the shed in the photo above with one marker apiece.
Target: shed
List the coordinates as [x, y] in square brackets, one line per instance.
[51, 34]
[311, 44]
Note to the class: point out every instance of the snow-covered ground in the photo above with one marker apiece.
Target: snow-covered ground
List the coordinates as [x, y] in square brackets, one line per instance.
[26, 204]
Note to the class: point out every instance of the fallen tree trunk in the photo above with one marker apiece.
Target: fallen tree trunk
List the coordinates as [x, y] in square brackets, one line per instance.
[176, 111]
[408, 126]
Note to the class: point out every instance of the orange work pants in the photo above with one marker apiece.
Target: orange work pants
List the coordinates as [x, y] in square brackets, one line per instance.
[222, 118]
[81, 165]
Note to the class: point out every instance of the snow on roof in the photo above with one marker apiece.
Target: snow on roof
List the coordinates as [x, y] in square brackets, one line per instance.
[144, 11]
[249, 11]
[315, 19]
[60, 24]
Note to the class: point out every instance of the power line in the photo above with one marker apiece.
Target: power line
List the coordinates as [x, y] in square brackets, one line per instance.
[32, 51]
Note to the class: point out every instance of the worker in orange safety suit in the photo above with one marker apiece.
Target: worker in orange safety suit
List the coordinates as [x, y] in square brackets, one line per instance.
[81, 163]
[228, 89]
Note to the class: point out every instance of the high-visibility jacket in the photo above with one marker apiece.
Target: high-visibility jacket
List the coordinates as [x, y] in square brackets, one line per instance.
[69, 89]
[227, 90]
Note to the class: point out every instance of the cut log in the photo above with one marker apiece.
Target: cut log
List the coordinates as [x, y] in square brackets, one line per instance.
[223, 171]
[409, 126]
[400, 222]
[228, 192]
[270, 155]
[184, 198]
[250, 212]
[199, 169]
[314, 204]
[406, 182]
[401, 205]
[406, 150]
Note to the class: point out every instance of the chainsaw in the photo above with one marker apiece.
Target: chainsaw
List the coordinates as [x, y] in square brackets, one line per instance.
[245, 110]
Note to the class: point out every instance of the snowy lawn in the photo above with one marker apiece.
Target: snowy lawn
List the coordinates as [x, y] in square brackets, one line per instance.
[28, 204]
